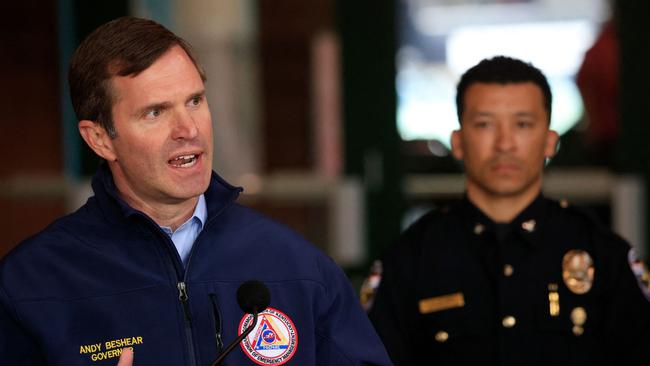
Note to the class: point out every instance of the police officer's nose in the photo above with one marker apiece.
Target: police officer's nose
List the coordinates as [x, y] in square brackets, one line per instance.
[504, 138]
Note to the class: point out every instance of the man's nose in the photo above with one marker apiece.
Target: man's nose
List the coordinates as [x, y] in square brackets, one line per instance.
[505, 138]
[184, 126]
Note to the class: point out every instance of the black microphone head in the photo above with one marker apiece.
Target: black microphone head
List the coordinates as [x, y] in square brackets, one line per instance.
[253, 296]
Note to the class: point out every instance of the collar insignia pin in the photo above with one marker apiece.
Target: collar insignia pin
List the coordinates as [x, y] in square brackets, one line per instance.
[529, 225]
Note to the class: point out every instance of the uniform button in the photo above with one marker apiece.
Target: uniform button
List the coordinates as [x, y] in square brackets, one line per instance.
[564, 203]
[479, 228]
[509, 321]
[578, 317]
[507, 270]
[442, 336]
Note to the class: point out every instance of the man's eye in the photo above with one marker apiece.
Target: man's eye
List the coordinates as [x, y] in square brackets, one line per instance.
[153, 113]
[524, 124]
[196, 101]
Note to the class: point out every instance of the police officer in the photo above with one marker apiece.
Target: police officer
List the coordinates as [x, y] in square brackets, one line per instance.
[508, 276]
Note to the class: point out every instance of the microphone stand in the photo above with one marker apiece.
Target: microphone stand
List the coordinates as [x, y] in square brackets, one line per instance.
[234, 344]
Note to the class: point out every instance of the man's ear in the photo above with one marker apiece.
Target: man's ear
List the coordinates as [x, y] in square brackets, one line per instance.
[552, 140]
[456, 145]
[97, 139]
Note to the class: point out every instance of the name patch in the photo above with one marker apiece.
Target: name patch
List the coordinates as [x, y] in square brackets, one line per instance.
[108, 349]
[439, 303]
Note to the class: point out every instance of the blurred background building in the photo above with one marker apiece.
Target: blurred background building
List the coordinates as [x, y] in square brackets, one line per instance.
[335, 115]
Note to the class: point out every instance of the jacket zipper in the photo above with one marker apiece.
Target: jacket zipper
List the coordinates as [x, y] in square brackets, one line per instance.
[216, 315]
[182, 297]
[182, 284]
[182, 287]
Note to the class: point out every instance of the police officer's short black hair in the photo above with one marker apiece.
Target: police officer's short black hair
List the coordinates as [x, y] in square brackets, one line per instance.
[502, 70]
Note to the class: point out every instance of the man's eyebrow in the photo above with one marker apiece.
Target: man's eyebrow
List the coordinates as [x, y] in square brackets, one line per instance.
[490, 114]
[166, 105]
[149, 107]
[481, 114]
[525, 114]
[200, 93]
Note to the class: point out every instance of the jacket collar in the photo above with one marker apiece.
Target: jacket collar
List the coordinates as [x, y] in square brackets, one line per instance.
[219, 195]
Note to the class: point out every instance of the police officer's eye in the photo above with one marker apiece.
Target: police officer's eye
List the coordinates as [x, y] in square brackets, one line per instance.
[481, 124]
[524, 124]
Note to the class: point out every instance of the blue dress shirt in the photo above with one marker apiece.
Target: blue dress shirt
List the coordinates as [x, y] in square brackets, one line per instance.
[185, 235]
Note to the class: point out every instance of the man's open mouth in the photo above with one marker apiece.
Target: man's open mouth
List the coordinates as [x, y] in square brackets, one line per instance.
[184, 161]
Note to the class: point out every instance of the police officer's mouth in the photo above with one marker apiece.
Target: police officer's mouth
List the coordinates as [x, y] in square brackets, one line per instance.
[184, 161]
[505, 163]
[506, 166]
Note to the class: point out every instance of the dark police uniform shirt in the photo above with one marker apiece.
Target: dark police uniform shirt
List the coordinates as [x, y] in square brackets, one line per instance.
[553, 287]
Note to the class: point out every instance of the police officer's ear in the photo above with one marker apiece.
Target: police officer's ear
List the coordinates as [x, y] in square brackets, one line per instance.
[552, 144]
[97, 139]
[456, 145]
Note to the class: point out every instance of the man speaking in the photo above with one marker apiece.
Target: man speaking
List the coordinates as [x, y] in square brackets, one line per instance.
[149, 267]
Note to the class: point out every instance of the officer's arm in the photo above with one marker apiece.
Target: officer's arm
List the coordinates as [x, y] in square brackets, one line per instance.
[344, 334]
[629, 319]
[390, 314]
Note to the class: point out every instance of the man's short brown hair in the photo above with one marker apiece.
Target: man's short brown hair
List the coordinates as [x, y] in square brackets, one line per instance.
[122, 47]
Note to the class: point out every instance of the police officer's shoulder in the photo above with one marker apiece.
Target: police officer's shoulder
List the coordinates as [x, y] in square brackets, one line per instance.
[574, 211]
[410, 242]
[574, 214]
[432, 220]
[399, 260]
[615, 252]
[579, 215]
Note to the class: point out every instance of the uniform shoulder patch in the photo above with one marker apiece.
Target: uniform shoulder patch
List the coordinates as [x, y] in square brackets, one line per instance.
[370, 285]
[640, 272]
[274, 339]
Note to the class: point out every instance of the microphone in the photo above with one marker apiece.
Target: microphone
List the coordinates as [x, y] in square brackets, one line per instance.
[253, 297]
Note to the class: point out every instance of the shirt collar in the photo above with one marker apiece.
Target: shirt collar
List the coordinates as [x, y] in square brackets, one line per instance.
[527, 222]
[200, 215]
[201, 210]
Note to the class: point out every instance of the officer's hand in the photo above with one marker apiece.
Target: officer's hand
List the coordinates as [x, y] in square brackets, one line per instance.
[126, 358]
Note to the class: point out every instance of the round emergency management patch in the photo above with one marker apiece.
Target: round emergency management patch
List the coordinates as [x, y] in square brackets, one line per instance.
[274, 339]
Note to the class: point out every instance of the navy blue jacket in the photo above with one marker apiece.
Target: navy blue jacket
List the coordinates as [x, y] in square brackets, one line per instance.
[106, 277]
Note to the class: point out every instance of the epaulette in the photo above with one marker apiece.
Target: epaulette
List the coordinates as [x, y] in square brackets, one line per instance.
[578, 211]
